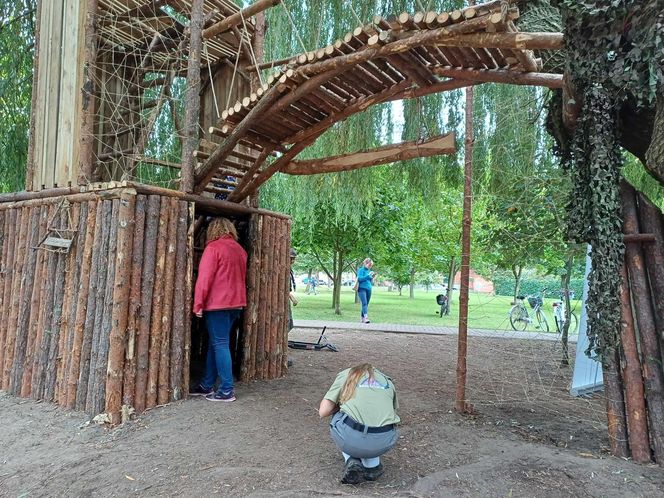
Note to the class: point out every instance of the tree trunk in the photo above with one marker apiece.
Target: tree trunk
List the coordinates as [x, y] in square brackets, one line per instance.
[450, 283]
[655, 153]
[516, 271]
[568, 312]
[306, 289]
[412, 283]
[336, 289]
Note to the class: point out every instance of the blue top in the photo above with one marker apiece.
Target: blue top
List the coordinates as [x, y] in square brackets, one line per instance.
[364, 278]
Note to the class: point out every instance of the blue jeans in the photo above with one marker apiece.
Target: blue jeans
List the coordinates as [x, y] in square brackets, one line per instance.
[365, 296]
[219, 363]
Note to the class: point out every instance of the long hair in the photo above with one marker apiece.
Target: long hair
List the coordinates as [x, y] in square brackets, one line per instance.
[354, 377]
[219, 227]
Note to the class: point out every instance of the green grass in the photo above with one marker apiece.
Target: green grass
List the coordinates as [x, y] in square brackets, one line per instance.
[484, 311]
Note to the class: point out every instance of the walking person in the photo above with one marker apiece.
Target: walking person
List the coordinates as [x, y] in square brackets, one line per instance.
[219, 298]
[363, 402]
[365, 279]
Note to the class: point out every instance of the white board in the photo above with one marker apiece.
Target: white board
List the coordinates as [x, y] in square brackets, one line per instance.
[587, 377]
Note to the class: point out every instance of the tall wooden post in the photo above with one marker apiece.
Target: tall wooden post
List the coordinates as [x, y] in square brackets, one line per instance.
[462, 347]
[86, 158]
[192, 101]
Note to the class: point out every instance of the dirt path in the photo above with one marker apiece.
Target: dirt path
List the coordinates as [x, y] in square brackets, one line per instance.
[529, 437]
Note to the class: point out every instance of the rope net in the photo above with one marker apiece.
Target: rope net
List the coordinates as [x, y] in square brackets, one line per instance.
[140, 84]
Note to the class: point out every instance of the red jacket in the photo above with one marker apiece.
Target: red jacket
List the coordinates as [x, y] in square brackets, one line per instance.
[221, 276]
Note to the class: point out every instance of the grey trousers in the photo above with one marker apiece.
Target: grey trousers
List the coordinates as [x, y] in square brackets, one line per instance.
[358, 444]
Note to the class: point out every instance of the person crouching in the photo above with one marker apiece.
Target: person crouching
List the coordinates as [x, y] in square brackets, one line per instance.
[363, 402]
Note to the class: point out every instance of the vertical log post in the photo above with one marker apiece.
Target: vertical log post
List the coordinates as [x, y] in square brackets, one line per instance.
[147, 289]
[635, 404]
[461, 405]
[88, 101]
[192, 100]
[652, 221]
[163, 393]
[179, 303]
[615, 406]
[129, 376]
[120, 309]
[645, 320]
[81, 305]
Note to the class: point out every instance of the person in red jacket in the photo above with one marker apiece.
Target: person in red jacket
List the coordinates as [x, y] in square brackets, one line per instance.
[219, 297]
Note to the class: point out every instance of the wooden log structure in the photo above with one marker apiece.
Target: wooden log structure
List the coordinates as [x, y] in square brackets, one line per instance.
[443, 144]
[650, 341]
[236, 19]
[104, 324]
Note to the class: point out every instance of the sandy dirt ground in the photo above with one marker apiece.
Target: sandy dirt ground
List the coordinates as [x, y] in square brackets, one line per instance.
[527, 438]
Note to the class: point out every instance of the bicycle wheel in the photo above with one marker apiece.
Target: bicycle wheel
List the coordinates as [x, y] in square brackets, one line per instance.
[541, 320]
[519, 317]
[573, 324]
[559, 323]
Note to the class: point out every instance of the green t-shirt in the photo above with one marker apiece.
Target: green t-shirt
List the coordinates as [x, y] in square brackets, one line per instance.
[373, 404]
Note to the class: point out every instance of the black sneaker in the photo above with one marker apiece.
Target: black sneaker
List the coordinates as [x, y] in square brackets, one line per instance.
[227, 397]
[373, 473]
[353, 472]
[199, 390]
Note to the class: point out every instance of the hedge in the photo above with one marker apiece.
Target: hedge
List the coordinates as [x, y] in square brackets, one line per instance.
[504, 286]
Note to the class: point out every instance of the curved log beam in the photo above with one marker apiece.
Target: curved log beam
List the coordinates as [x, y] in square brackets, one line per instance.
[236, 19]
[502, 76]
[440, 145]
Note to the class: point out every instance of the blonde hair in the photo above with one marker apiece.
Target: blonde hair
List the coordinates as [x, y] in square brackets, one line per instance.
[219, 227]
[367, 261]
[354, 377]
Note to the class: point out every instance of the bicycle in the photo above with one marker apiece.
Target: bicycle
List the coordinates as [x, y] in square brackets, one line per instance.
[559, 317]
[520, 318]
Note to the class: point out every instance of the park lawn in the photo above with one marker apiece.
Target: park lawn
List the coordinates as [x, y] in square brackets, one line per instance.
[485, 311]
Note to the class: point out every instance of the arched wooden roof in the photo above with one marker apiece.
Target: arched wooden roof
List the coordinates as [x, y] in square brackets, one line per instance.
[394, 59]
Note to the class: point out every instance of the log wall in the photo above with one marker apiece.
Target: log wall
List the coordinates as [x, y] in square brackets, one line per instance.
[106, 325]
[635, 378]
[103, 324]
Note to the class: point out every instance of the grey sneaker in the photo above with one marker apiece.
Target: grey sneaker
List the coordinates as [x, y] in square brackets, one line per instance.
[353, 472]
[227, 397]
[373, 473]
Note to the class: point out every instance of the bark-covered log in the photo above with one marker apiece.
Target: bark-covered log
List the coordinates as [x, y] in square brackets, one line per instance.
[72, 288]
[147, 290]
[120, 306]
[192, 97]
[645, 320]
[7, 269]
[129, 376]
[20, 252]
[442, 144]
[635, 403]
[90, 309]
[163, 393]
[179, 303]
[615, 407]
[82, 301]
[101, 328]
[157, 307]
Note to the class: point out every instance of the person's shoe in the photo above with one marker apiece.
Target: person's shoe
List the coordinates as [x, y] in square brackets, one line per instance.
[199, 390]
[373, 473]
[289, 363]
[353, 472]
[227, 397]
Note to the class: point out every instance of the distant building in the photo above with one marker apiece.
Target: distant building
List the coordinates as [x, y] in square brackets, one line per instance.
[477, 283]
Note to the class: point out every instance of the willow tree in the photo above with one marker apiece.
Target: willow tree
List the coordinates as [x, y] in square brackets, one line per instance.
[344, 202]
[17, 27]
